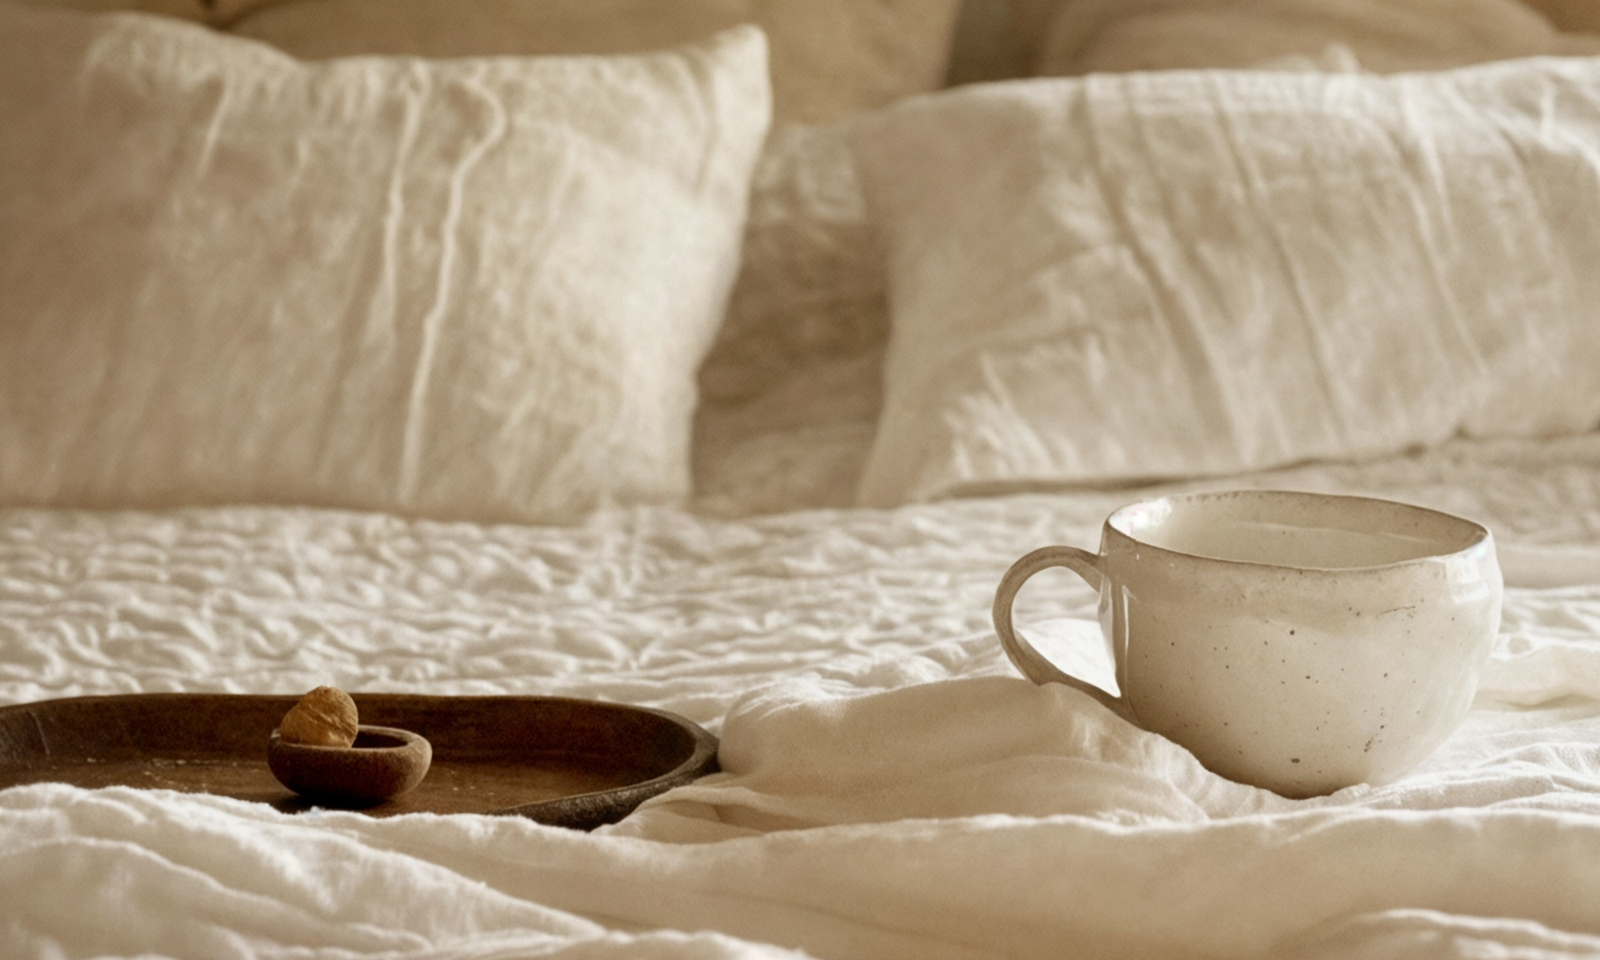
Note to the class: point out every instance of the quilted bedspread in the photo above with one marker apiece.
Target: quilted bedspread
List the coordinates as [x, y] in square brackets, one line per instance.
[890, 786]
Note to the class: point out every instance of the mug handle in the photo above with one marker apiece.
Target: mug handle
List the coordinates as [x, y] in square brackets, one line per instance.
[1031, 662]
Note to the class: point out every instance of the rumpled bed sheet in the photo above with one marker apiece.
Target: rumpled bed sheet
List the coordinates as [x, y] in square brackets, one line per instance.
[891, 787]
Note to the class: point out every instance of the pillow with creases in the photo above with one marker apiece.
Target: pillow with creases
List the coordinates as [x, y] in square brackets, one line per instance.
[790, 393]
[830, 58]
[1140, 276]
[476, 288]
[810, 287]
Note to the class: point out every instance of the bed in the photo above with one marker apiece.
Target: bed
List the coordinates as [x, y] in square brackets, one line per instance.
[564, 349]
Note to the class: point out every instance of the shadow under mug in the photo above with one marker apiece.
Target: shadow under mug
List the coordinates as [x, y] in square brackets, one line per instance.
[1297, 642]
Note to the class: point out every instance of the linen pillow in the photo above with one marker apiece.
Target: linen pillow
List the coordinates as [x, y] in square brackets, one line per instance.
[811, 286]
[1075, 37]
[1140, 276]
[476, 288]
[830, 58]
[790, 392]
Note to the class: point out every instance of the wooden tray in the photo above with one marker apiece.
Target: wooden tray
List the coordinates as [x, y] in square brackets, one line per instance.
[572, 763]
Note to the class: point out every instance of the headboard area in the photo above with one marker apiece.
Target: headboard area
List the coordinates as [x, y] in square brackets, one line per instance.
[986, 43]
[829, 57]
[988, 39]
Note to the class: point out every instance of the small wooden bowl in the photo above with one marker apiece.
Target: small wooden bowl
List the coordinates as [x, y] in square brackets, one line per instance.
[383, 763]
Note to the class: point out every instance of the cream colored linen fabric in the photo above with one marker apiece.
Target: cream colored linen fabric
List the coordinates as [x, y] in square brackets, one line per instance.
[891, 788]
[476, 288]
[790, 392]
[789, 395]
[1132, 276]
[1073, 37]
[811, 284]
[795, 364]
[829, 57]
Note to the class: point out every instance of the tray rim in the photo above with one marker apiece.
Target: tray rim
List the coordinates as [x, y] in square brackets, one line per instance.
[581, 811]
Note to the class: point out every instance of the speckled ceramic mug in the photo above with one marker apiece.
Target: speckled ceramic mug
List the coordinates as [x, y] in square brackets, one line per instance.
[1298, 642]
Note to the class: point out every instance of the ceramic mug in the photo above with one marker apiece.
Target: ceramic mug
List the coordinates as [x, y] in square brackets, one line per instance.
[1294, 641]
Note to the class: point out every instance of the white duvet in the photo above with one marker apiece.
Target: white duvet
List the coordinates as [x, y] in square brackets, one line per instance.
[891, 787]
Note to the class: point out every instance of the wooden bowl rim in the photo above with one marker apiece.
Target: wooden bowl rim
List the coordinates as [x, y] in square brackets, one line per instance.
[408, 742]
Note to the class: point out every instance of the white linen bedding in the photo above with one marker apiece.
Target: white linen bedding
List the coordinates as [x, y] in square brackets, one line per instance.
[475, 288]
[1182, 273]
[890, 786]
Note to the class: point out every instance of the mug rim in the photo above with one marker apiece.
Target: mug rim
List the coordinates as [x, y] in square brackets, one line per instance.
[1477, 534]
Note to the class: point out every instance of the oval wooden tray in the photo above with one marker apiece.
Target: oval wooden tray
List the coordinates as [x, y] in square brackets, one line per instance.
[571, 763]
